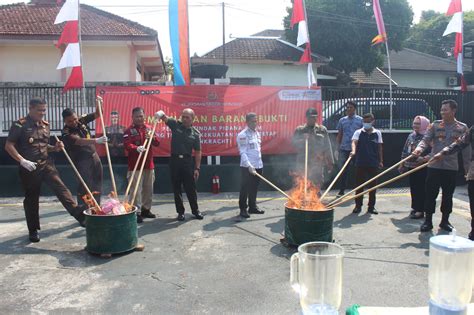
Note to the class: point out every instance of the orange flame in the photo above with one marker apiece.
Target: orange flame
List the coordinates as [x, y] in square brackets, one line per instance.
[299, 200]
[89, 201]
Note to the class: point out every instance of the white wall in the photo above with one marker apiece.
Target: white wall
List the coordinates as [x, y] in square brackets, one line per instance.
[279, 75]
[422, 79]
[37, 63]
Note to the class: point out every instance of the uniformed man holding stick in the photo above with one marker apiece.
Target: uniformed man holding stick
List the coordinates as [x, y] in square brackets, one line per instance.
[185, 138]
[28, 144]
[81, 147]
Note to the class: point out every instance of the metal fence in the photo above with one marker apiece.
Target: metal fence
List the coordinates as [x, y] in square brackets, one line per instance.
[407, 103]
[14, 103]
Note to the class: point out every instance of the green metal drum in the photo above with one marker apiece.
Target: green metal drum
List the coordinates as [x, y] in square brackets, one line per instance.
[111, 234]
[302, 226]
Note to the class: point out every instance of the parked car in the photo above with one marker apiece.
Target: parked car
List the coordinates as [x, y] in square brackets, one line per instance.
[404, 110]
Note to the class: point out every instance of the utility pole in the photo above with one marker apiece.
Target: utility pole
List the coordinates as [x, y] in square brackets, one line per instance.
[223, 34]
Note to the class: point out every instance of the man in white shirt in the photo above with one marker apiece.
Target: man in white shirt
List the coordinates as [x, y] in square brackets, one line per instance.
[249, 142]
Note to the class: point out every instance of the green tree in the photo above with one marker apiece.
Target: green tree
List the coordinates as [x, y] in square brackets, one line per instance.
[343, 30]
[427, 35]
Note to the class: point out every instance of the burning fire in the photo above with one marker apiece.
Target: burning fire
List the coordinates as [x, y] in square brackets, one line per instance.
[300, 201]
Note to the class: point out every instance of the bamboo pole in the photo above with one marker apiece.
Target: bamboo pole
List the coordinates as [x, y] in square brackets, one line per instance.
[305, 168]
[109, 160]
[381, 185]
[274, 186]
[337, 177]
[137, 184]
[79, 175]
[371, 180]
[127, 191]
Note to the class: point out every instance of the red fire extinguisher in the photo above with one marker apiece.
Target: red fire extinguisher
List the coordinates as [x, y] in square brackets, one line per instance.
[216, 186]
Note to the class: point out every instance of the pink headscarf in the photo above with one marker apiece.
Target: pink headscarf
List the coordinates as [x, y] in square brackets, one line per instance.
[424, 123]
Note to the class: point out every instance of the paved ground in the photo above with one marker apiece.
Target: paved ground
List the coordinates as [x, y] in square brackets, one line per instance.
[215, 266]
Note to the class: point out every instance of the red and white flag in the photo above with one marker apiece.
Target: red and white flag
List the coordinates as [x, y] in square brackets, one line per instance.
[298, 16]
[456, 26]
[71, 57]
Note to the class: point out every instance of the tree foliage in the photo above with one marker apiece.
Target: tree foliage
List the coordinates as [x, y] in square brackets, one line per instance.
[343, 30]
[427, 35]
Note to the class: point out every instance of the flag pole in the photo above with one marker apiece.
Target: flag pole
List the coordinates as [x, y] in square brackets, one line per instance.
[390, 83]
[84, 100]
[309, 41]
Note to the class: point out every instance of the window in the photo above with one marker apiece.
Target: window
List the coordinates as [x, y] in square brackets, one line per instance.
[246, 81]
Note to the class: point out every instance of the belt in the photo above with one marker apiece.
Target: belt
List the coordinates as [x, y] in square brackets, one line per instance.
[40, 162]
[181, 156]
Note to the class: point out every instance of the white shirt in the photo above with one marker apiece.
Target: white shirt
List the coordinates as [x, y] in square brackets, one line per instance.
[249, 142]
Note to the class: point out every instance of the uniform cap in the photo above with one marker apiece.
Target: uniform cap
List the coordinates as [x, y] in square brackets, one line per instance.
[311, 112]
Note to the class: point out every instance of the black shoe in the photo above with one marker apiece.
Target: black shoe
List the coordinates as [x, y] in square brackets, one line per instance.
[147, 214]
[340, 194]
[412, 212]
[372, 211]
[445, 225]
[426, 226]
[417, 215]
[181, 217]
[244, 213]
[81, 218]
[198, 215]
[357, 210]
[256, 211]
[139, 218]
[34, 236]
[471, 236]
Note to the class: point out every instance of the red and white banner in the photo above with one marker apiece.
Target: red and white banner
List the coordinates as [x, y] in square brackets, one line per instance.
[220, 112]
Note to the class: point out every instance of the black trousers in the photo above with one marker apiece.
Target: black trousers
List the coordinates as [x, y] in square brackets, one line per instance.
[470, 189]
[92, 173]
[31, 183]
[182, 174]
[363, 174]
[248, 189]
[436, 179]
[417, 189]
[343, 156]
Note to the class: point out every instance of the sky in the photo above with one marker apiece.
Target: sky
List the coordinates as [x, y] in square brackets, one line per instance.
[243, 17]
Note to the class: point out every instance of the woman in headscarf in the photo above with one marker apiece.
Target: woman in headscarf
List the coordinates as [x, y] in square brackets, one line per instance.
[417, 179]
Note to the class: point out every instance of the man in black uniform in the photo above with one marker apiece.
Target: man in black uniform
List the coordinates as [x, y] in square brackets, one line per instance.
[28, 144]
[81, 147]
[115, 133]
[185, 138]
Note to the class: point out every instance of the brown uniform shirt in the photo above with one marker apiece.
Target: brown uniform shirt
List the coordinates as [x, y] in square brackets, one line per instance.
[31, 138]
[82, 131]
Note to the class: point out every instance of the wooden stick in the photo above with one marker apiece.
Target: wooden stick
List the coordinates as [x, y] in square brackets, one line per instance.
[109, 160]
[127, 191]
[137, 184]
[337, 177]
[306, 168]
[274, 186]
[371, 180]
[78, 175]
[381, 185]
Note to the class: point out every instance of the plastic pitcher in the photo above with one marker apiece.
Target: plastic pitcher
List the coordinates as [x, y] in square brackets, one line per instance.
[451, 274]
[316, 274]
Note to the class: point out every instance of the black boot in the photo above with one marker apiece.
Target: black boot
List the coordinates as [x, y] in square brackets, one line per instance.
[428, 224]
[34, 236]
[445, 225]
[244, 213]
[471, 235]
[139, 218]
[146, 213]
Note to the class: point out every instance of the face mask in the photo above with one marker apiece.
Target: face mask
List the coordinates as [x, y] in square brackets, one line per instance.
[367, 126]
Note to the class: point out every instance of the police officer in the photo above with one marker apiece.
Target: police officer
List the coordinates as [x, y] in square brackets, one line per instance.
[115, 133]
[28, 144]
[442, 173]
[467, 140]
[185, 138]
[134, 140]
[80, 145]
[249, 143]
[319, 148]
